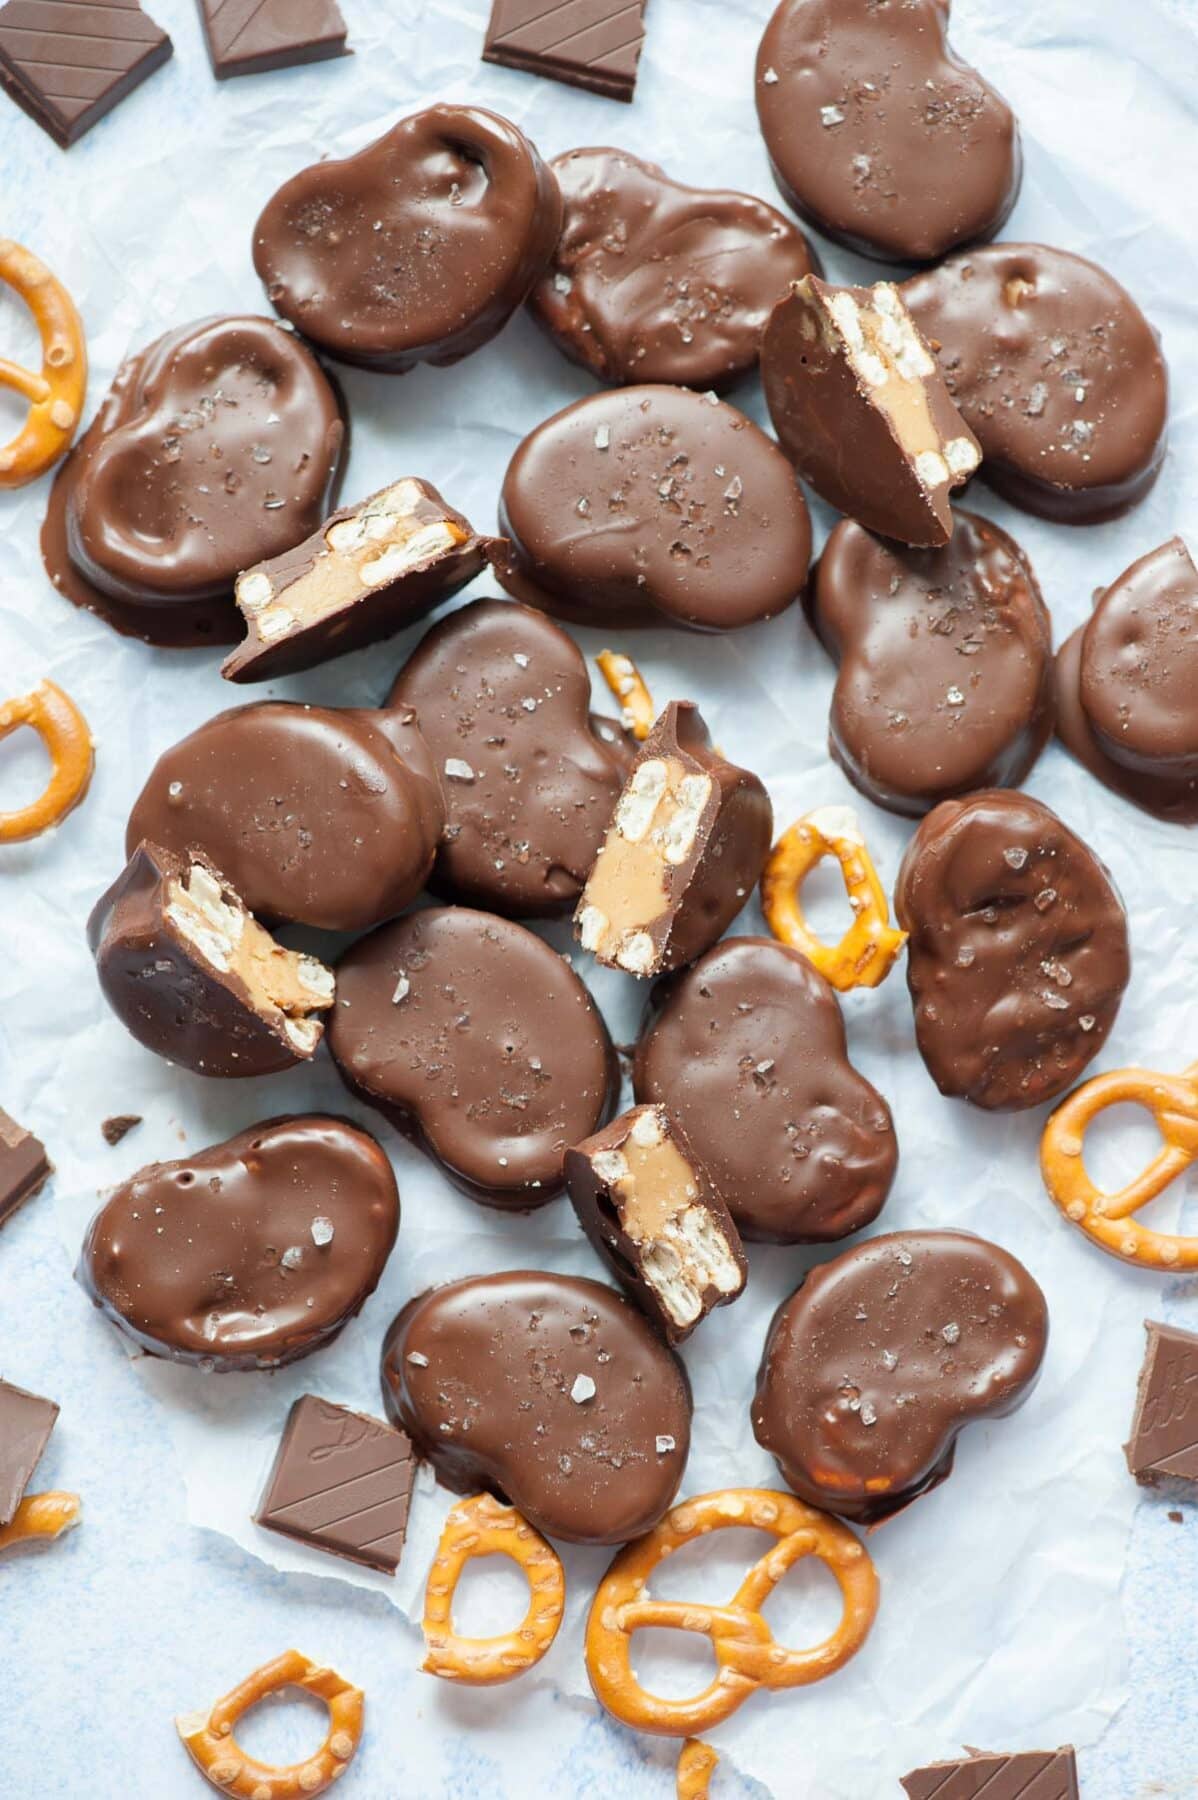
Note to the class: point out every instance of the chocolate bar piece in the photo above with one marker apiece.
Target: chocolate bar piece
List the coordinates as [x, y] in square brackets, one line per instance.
[24, 1168]
[252, 37]
[341, 1482]
[26, 1422]
[591, 44]
[119, 1126]
[1164, 1432]
[68, 62]
[1032, 1775]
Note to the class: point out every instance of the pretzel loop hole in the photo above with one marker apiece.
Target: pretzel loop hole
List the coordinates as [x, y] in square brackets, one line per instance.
[484, 1527]
[64, 731]
[867, 951]
[56, 393]
[215, 1751]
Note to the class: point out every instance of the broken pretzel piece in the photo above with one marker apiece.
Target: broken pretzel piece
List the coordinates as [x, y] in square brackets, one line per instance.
[209, 1741]
[56, 393]
[41, 1518]
[866, 953]
[483, 1526]
[64, 731]
[628, 686]
[696, 1766]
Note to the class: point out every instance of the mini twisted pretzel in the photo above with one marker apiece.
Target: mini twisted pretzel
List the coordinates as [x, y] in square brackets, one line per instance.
[41, 1517]
[865, 954]
[628, 687]
[64, 731]
[484, 1527]
[696, 1766]
[55, 395]
[745, 1651]
[1107, 1219]
[208, 1736]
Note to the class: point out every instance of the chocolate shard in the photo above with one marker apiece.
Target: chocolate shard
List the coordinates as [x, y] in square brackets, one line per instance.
[591, 44]
[341, 1482]
[24, 1167]
[1031, 1775]
[1164, 1431]
[26, 1421]
[119, 1126]
[253, 37]
[68, 62]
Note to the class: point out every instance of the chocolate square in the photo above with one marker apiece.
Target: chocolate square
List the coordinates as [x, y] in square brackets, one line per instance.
[26, 1422]
[342, 1483]
[1030, 1775]
[591, 44]
[24, 1166]
[1164, 1431]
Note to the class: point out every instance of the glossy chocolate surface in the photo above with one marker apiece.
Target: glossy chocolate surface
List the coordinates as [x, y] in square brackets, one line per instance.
[550, 1391]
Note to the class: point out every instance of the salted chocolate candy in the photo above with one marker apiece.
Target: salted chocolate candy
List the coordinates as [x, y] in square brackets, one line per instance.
[370, 570]
[652, 1212]
[862, 409]
[194, 977]
[686, 845]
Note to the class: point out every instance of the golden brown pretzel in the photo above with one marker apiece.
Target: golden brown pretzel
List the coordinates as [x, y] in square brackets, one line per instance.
[628, 687]
[64, 731]
[696, 1766]
[55, 395]
[41, 1516]
[746, 1654]
[208, 1736]
[484, 1527]
[866, 953]
[1107, 1219]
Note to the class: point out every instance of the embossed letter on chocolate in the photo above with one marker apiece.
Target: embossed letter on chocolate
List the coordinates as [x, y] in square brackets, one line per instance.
[552, 1392]
[878, 1360]
[946, 676]
[1018, 953]
[417, 249]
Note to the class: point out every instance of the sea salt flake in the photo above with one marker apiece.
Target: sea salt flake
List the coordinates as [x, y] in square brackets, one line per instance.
[583, 1390]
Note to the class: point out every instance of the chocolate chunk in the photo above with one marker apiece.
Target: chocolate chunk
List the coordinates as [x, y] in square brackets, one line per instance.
[879, 1358]
[946, 674]
[219, 444]
[417, 249]
[192, 975]
[26, 1422]
[650, 501]
[591, 44]
[1164, 1431]
[317, 816]
[879, 134]
[68, 62]
[747, 1051]
[502, 697]
[551, 1392]
[652, 1212]
[1018, 953]
[1126, 683]
[119, 1126]
[1027, 1775]
[341, 1482]
[862, 410]
[249, 1254]
[1057, 372]
[24, 1170]
[253, 37]
[685, 848]
[654, 281]
[478, 1041]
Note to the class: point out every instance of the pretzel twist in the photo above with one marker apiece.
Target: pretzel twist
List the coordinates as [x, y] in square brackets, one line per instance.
[41, 1516]
[1106, 1218]
[628, 687]
[208, 1736]
[746, 1654]
[484, 1527]
[55, 395]
[866, 953]
[64, 731]
[696, 1766]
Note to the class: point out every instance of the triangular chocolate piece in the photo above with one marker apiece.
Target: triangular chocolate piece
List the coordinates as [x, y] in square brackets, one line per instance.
[1164, 1432]
[1027, 1775]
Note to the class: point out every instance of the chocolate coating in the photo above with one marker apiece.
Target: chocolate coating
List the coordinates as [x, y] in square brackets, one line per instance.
[480, 1042]
[314, 814]
[650, 501]
[219, 444]
[747, 1050]
[1127, 685]
[1018, 954]
[218, 1259]
[878, 1360]
[655, 281]
[502, 696]
[417, 249]
[480, 1375]
[946, 675]
[1056, 371]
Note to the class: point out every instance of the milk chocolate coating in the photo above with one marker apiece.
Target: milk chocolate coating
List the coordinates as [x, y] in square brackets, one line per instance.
[654, 501]
[747, 1050]
[480, 1375]
[479, 1042]
[219, 444]
[250, 1254]
[502, 696]
[1057, 372]
[879, 1358]
[315, 815]
[946, 675]
[655, 281]
[1127, 686]
[879, 135]
[1018, 954]
[419, 248]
